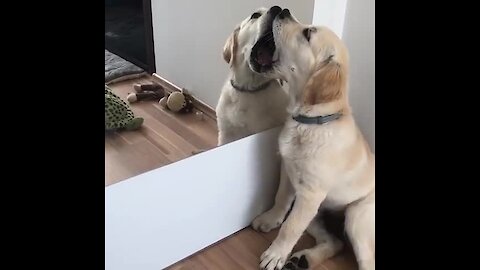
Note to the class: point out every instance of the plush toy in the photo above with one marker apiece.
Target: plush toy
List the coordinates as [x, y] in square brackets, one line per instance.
[139, 88]
[146, 92]
[180, 102]
[118, 114]
[146, 95]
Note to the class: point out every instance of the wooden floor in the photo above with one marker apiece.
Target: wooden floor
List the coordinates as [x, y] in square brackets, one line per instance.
[165, 137]
[243, 249]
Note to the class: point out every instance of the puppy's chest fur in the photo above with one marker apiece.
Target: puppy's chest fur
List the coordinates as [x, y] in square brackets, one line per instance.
[254, 112]
[326, 157]
[300, 142]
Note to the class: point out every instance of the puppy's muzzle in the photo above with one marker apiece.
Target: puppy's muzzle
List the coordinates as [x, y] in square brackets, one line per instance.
[285, 14]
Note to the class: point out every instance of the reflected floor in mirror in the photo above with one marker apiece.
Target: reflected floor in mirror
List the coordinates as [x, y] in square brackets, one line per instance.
[243, 249]
[164, 137]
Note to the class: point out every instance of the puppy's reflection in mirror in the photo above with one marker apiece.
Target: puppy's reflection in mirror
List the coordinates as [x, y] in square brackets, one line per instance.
[249, 102]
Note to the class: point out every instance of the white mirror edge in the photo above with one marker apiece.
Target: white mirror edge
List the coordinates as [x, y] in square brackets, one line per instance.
[165, 215]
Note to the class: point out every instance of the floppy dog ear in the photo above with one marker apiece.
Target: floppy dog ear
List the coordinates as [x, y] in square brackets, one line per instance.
[327, 83]
[230, 47]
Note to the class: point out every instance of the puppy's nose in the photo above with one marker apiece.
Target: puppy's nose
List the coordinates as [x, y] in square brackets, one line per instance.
[274, 10]
[284, 14]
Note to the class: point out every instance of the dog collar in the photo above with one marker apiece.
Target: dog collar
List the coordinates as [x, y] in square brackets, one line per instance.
[255, 89]
[319, 120]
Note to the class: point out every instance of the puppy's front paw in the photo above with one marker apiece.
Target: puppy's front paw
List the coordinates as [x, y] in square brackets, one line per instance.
[268, 221]
[273, 258]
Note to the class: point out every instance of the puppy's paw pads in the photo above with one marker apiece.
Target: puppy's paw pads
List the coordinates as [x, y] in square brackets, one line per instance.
[294, 263]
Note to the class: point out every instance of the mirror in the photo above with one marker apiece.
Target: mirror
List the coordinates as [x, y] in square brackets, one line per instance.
[179, 80]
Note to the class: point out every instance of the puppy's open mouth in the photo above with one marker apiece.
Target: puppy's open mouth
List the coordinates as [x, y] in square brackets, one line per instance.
[262, 56]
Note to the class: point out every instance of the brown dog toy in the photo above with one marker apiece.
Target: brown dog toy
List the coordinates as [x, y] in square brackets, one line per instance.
[145, 95]
[146, 92]
[139, 88]
[180, 102]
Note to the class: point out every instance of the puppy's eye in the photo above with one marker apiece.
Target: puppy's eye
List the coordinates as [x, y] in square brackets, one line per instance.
[307, 32]
[255, 15]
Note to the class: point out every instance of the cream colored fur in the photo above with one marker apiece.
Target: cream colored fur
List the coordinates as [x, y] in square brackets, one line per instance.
[240, 114]
[327, 166]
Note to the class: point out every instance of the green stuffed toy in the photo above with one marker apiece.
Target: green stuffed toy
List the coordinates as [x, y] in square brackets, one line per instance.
[118, 114]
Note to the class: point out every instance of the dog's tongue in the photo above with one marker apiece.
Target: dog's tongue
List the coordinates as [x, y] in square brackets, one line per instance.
[263, 57]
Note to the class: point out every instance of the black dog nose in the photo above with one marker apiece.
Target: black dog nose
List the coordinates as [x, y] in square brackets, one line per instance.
[275, 10]
[284, 14]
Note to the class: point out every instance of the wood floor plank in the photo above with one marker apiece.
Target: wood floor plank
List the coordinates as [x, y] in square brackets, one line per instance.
[164, 137]
[173, 123]
[243, 249]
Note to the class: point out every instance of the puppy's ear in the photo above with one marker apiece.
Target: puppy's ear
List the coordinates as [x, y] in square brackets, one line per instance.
[327, 83]
[230, 47]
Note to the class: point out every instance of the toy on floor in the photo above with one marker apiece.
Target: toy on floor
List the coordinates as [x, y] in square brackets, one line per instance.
[145, 95]
[118, 114]
[139, 88]
[146, 92]
[180, 102]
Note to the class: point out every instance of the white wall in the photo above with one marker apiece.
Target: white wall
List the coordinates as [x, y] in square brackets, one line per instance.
[354, 22]
[330, 13]
[359, 36]
[189, 36]
[155, 219]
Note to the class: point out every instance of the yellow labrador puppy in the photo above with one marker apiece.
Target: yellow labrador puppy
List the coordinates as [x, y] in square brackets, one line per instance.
[326, 162]
[249, 102]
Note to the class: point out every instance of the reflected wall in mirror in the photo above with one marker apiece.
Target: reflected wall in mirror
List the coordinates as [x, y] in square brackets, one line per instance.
[181, 85]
